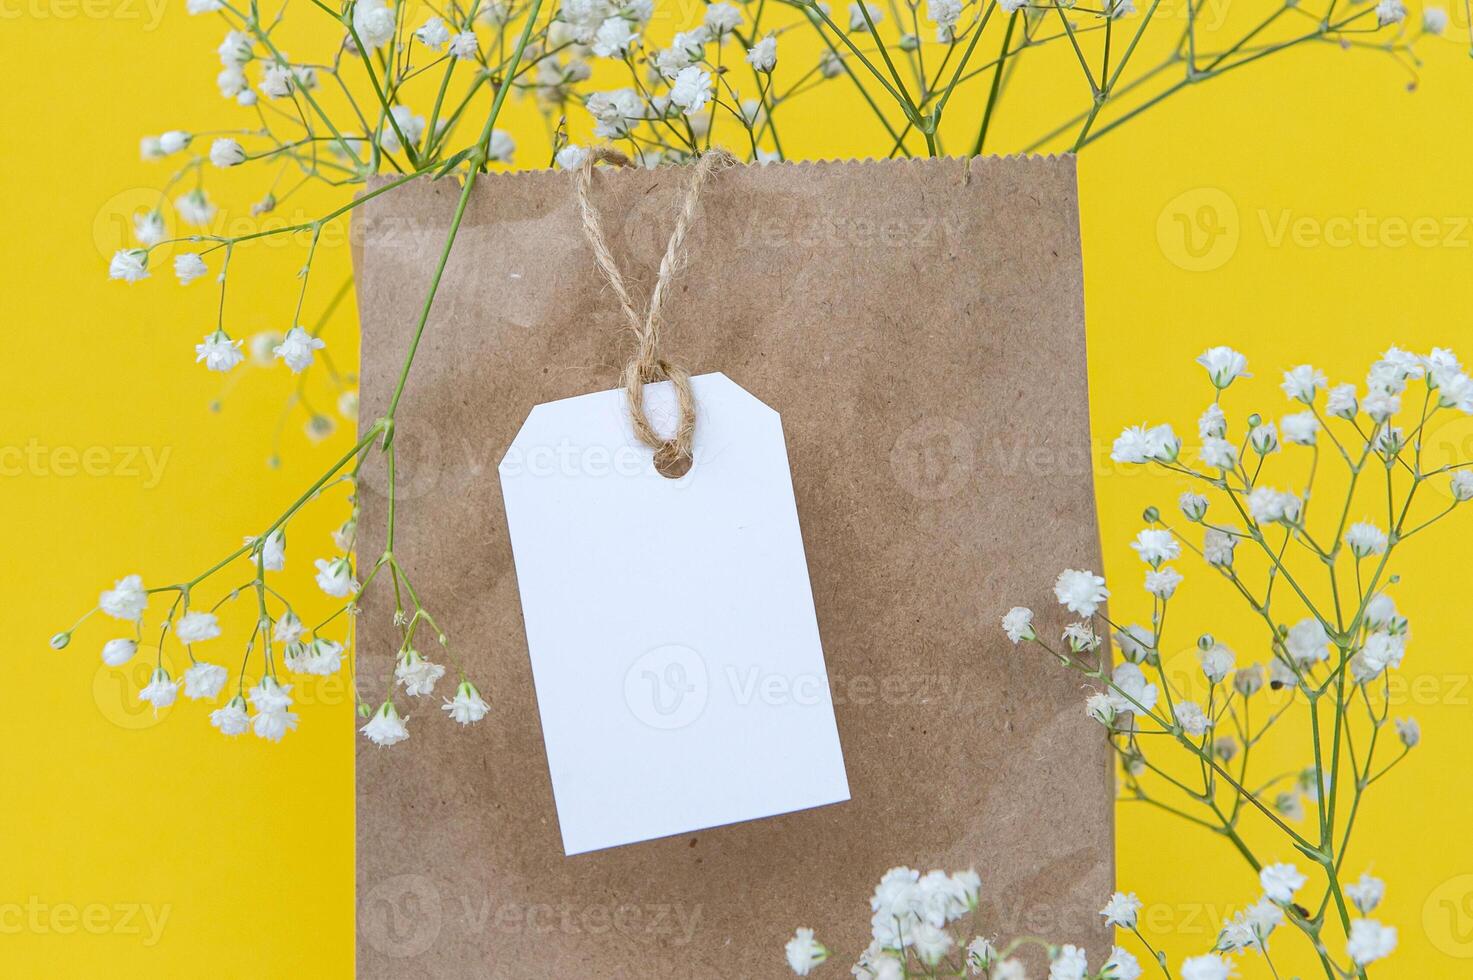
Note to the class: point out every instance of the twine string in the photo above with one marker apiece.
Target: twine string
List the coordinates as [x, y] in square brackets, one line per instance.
[647, 365]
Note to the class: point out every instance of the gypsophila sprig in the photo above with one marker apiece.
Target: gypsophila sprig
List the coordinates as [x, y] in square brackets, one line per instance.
[416, 92]
[1317, 589]
[930, 926]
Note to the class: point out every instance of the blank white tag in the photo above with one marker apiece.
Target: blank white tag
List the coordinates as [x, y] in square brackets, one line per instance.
[674, 647]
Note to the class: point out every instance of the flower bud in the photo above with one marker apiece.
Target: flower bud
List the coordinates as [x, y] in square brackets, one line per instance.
[1206, 641]
[1151, 515]
[60, 640]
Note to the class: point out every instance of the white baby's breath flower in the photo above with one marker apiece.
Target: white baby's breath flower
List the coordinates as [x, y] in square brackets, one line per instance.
[416, 674]
[1280, 882]
[1217, 547]
[931, 943]
[1390, 12]
[1342, 402]
[1162, 582]
[1213, 423]
[1300, 429]
[1302, 382]
[468, 706]
[1365, 539]
[1207, 967]
[1193, 506]
[232, 719]
[944, 14]
[1192, 719]
[1268, 505]
[1369, 940]
[226, 152]
[323, 658]
[1365, 893]
[1121, 910]
[335, 577]
[464, 46]
[386, 727]
[196, 627]
[1141, 444]
[1217, 662]
[1080, 637]
[857, 20]
[691, 89]
[722, 19]
[160, 691]
[1067, 962]
[408, 123]
[502, 147]
[1289, 806]
[433, 34]
[1408, 732]
[1018, 624]
[297, 348]
[1224, 365]
[762, 56]
[1381, 405]
[188, 267]
[273, 551]
[1122, 965]
[128, 264]
[1306, 641]
[195, 208]
[615, 38]
[148, 228]
[1011, 968]
[277, 81]
[270, 695]
[981, 955]
[126, 599]
[117, 652]
[1264, 439]
[1155, 546]
[1434, 20]
[1098, 707]
[1218, 453]
[1080, 592]
[204, 681]
[288, 629]
[1130, 691]
[274, 724]
[1012, 6]
[1248, 680]
[235, 49]
[1135, 643]
[374, 21]
[804, 952]
[232, 82]
[174, 140]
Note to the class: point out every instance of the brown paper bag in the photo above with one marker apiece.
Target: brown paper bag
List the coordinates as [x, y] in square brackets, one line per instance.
[919, 326]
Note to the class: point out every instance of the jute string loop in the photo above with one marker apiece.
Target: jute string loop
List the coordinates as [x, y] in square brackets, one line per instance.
[648, 365]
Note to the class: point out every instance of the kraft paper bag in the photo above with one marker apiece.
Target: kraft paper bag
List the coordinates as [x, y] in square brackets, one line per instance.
[919, 327]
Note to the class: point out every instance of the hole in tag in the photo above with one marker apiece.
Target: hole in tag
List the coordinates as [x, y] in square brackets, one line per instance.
[672, 468]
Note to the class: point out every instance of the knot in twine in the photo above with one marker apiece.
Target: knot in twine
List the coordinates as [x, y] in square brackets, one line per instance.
[647, 365]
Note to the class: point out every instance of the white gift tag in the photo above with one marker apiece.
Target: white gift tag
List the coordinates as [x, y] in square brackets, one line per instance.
[670, 623]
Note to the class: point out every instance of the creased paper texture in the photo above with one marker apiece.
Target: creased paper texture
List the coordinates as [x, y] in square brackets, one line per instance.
[919, 328]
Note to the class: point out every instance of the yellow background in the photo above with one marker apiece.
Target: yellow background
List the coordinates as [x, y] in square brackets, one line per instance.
[134, 848]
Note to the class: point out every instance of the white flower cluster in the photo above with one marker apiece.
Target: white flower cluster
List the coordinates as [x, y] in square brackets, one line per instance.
[1336, 652]
[265, 708]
